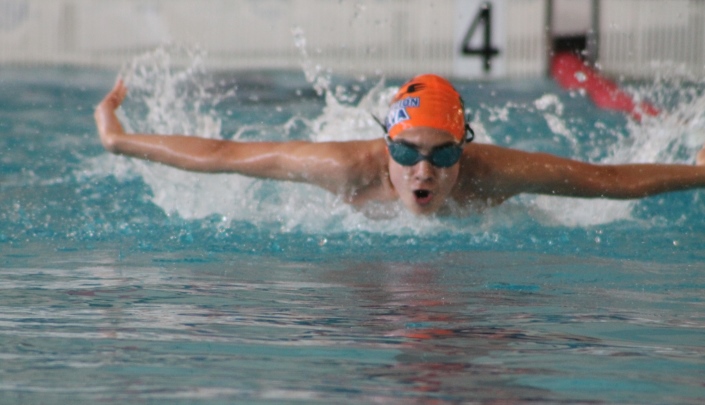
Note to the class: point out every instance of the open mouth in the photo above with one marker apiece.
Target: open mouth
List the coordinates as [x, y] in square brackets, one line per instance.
[422, 196]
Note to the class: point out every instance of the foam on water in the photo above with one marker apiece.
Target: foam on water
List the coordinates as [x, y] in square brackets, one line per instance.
[168, 99]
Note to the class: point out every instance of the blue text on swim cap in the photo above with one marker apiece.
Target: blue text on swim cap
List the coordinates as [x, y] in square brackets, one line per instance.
[397, 111]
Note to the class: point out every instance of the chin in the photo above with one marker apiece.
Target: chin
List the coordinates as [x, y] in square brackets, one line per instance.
[422, 210]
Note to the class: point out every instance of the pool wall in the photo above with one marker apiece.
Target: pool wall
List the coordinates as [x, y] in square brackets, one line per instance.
[393, 38]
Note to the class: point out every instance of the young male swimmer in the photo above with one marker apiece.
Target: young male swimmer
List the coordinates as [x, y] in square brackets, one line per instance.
[426, 161]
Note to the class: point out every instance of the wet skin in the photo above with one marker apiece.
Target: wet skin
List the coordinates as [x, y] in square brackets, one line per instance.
[423, 188]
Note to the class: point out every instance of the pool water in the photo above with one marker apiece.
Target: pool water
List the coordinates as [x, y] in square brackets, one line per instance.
[123, 281]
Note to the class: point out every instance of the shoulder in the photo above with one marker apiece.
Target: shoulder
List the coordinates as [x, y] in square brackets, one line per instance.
[499, 159]
[348, 166]
[487, 151]
[481, 158]
[364, 161]
[499, 171]
[352, 156]
[493, 173]
[335, 153]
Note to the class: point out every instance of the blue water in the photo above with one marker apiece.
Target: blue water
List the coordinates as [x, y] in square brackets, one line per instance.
[128, 282]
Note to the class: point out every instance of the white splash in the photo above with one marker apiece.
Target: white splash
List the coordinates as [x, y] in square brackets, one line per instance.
[342, 121]
[674, 136]
[554, 119]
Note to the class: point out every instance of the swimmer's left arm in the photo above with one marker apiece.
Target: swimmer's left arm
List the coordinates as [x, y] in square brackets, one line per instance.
[540, 173]
[626, 181]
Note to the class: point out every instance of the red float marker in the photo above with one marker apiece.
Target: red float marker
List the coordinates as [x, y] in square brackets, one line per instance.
[572, 74]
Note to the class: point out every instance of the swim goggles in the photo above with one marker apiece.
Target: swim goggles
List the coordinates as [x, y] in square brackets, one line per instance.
[443, 156]
[408, 155]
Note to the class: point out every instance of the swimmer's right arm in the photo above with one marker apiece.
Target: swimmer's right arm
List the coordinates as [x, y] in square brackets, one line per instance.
[185, 152]
[322, 164]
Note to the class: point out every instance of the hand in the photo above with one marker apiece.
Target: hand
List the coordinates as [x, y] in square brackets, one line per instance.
[108, 124]
[700, 157]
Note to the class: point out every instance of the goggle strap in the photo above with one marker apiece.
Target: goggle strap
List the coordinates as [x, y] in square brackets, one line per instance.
[379, 121]
[469, 134]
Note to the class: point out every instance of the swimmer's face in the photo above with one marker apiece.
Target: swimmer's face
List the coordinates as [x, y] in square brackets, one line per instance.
[423, 188]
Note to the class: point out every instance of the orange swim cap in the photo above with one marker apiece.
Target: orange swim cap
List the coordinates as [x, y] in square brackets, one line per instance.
[427, 101]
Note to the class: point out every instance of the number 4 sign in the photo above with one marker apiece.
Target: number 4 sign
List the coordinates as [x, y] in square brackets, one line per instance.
[480, 38]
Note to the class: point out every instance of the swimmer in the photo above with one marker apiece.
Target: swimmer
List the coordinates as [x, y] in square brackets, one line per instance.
[426, 160]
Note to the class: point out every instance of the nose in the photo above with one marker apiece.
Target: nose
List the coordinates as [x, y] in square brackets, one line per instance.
[424, 171]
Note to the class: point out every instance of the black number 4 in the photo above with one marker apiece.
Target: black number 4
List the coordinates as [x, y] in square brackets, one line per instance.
[484, 16]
